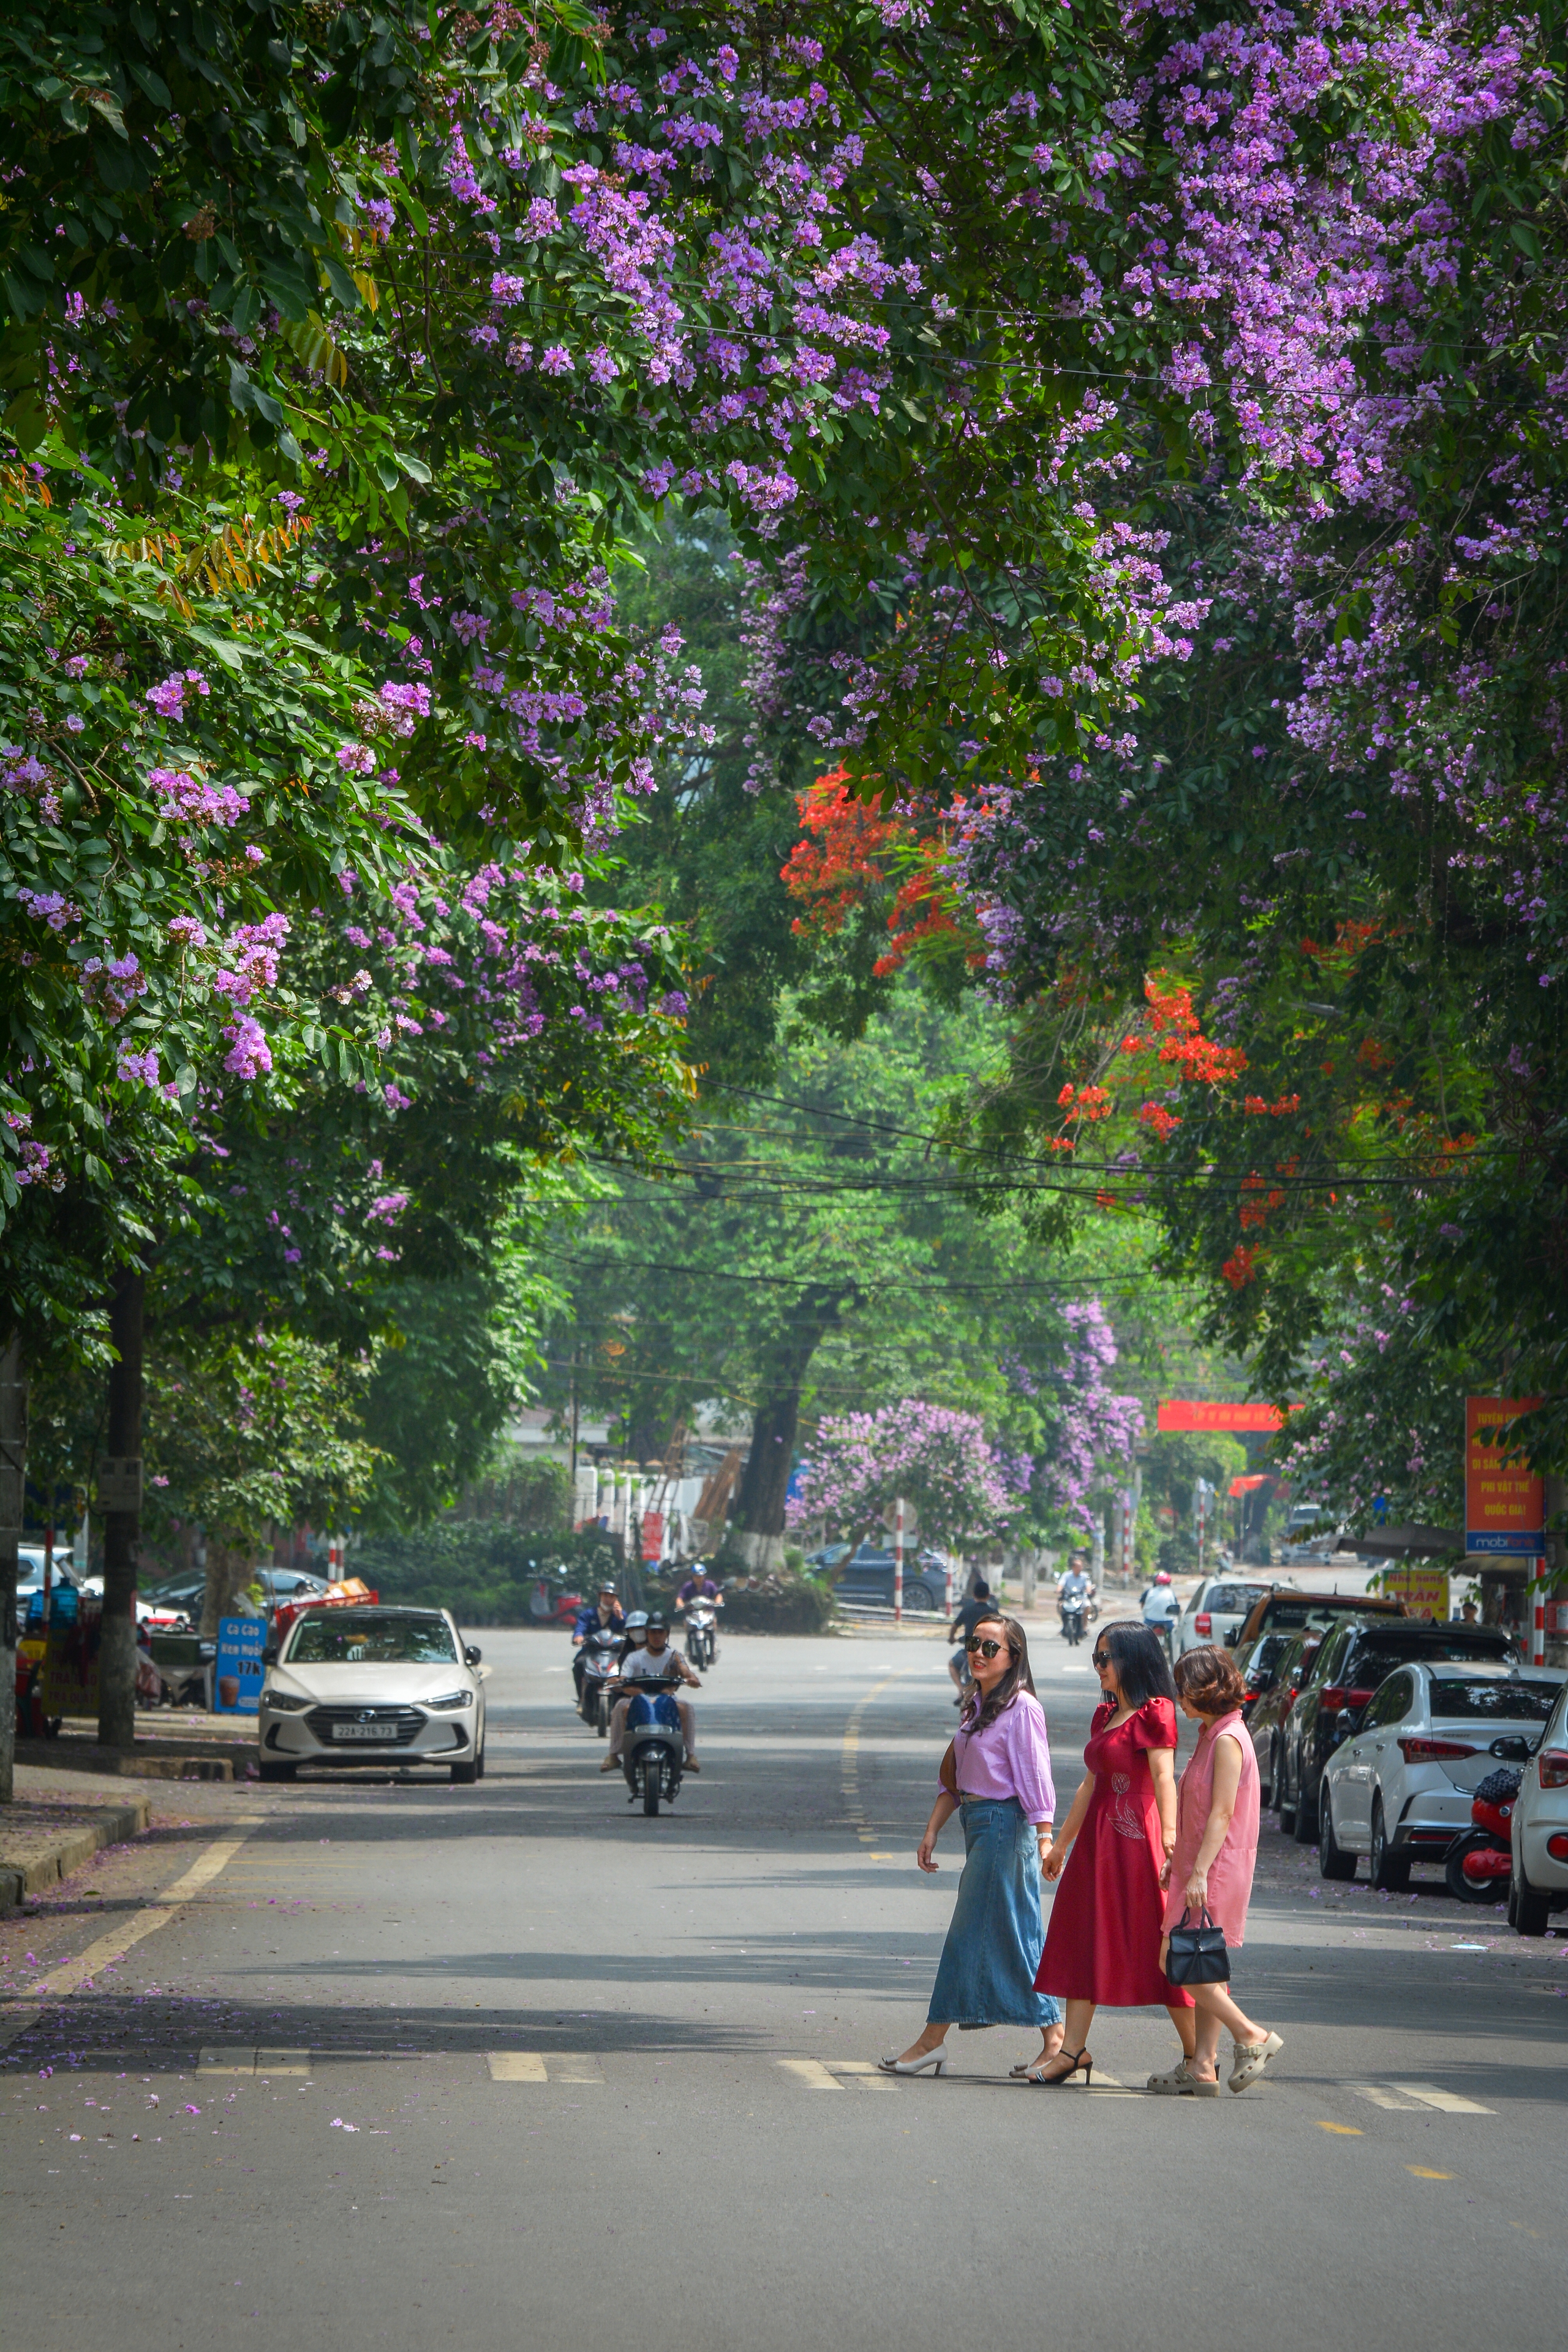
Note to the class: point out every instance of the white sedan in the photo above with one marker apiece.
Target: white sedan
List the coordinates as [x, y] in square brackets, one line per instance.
[1538, 1885]
[1399, 1791]
[372, 1686]
[1219, 1607]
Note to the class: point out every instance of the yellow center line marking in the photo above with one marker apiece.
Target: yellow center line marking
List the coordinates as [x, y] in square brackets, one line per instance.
[1425, 2172]
[1344, 2131]
[146, 1922]
[850, 1774]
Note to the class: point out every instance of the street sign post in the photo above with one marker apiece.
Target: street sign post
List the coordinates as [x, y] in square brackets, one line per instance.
[899, 1561]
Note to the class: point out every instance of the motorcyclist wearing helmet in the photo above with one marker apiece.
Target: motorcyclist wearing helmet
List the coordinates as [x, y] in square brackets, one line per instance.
[1161, 1606]
[609, 1617]
[656, 1662]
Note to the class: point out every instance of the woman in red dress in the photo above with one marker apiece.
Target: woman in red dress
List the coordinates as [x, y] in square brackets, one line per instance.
[1104, 1941]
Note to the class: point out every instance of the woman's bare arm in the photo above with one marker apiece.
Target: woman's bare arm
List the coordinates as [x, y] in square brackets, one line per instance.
[1054, 1862]
[1162, 1768]
[942, 1812]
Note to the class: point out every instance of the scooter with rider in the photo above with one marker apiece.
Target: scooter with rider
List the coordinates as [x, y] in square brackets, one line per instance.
[653, 1735]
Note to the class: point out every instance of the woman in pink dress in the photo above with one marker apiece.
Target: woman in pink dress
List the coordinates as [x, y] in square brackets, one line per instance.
[1102, 1946]
[1212, 1867]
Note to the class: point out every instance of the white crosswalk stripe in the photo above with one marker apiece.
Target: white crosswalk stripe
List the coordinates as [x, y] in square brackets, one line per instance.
[1448, 2102]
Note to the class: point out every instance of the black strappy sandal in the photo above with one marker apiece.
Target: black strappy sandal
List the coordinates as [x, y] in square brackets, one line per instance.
[1081, 2063]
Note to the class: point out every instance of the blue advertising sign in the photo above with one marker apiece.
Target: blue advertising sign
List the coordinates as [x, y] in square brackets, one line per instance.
[237, 1676]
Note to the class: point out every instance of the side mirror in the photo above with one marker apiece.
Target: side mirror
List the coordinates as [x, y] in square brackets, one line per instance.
[270, 1654]
[472, 1655]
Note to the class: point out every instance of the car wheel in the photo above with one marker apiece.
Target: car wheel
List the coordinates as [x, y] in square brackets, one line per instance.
[1333, 1862]
[1387, 1872]
[1281, 1794]
[479, 1762]
[1306, 1829]
[1528, 1907]
[271, 1771]
[464, 1775]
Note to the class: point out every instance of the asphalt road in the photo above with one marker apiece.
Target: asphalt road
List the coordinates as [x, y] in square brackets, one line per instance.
[617, 2065]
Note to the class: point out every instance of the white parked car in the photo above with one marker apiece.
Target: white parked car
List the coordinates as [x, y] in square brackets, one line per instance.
[1219, 1607]
[1400, 1791]
[372, 1686]
[1539, 1881]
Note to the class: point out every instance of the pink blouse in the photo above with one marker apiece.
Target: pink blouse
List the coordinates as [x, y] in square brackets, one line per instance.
[1011, 1757]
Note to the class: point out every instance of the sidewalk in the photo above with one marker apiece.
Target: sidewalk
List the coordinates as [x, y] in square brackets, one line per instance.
[43, 1837]
[171, 1744]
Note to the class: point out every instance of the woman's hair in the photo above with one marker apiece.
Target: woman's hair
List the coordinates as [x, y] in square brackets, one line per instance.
[1017, 1678]
[1209, 1679]
[1138, 1656]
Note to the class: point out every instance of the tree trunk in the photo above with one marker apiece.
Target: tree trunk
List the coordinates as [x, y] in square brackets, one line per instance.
[13, 1485]
[758, 1542]
[229, 1567]
[121, 1529]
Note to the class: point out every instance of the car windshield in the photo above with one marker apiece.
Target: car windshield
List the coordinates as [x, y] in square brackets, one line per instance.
[366, 1637]
[1235, 1598]
[1492, 1702]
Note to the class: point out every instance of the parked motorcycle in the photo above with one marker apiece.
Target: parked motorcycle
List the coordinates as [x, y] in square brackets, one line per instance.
[701, 1634]
[1478, 1865]
[654, 1751]
[599, 1659]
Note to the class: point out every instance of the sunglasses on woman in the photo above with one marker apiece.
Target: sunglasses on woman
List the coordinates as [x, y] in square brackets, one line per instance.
[986, 1650]
[1099, 1660]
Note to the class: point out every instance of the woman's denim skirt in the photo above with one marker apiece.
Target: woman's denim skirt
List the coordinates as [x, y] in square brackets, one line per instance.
[992, 1948]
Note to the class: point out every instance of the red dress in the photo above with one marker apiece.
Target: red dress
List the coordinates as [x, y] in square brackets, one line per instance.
[1104, 1941]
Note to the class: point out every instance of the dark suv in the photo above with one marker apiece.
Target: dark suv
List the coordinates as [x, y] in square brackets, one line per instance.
[866, 1577]
[1354, 1659]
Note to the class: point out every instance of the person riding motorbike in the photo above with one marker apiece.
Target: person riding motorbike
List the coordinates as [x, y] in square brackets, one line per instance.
[698, 1586]
[966, 1618]
[1161, 1606]
[1075, 1592]
[607, 1617]
[655, 1663]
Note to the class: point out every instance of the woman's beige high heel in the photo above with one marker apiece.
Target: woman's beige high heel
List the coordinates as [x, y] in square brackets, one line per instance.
[1081, 2063]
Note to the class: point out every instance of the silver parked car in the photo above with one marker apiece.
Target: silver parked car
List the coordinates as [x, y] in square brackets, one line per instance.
[1219, 1607]
[1538, 1883]
[368, 1684]
[1400, 1791]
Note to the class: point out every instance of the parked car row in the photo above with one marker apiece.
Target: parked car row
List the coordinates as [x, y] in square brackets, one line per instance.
[1387, 1737]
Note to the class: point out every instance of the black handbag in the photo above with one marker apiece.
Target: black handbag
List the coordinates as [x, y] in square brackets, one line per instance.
[1197, 1954]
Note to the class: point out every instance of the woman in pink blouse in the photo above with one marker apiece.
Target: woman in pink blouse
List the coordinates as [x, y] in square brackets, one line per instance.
[1002, 1761]
[1212, 1867]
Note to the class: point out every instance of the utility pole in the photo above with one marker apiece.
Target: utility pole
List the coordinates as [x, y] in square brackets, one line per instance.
[122, 1524]
[573, 1418]
[899, 1561]
[13, 1487]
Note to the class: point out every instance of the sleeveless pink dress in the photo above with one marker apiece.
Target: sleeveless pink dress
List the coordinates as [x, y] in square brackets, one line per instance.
[1230, 1873]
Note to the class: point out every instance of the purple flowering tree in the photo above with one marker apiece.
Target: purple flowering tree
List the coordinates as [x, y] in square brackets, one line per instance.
[939, 1460]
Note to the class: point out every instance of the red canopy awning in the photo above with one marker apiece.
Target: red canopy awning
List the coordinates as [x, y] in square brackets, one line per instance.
[1245, 1486]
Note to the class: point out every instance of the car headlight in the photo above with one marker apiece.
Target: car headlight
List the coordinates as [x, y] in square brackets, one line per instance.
[285, 1702]
[450, 1704]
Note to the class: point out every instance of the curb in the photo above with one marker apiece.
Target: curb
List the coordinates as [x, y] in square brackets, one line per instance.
[135, 1763]
[58, 1859]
